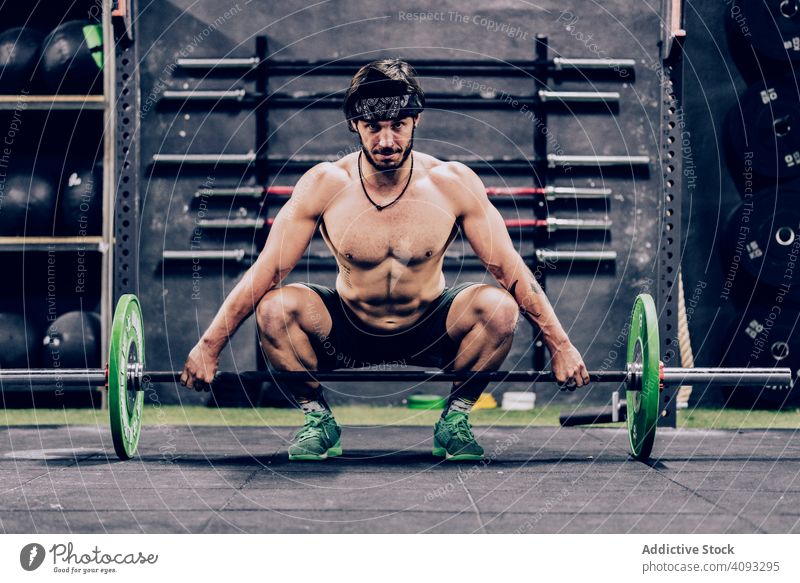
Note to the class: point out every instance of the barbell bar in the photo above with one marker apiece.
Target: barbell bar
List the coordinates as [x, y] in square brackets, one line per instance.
[243, 98]
[644, 377]
[240, 255]
[138, 376]
[478, 164]
[437, 67]
[550, 193]
[550, 225]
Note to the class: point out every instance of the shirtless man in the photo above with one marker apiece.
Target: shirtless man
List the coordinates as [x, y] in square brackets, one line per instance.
[388, 214]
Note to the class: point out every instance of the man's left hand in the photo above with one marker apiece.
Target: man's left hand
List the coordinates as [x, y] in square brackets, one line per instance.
[568, 367]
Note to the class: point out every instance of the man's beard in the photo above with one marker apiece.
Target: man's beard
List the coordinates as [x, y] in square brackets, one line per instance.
[386, 165]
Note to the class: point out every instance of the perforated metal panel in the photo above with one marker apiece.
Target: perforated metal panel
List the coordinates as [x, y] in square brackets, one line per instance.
[672, 129]
[126, 205]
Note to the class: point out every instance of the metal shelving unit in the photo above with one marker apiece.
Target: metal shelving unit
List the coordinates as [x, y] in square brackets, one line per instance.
[102, 244]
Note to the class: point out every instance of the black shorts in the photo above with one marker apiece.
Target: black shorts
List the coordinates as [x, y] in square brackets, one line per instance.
[352, 344]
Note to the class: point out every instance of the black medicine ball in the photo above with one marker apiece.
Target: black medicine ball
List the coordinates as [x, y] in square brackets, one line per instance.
[19, 49]
[72, 58]
[19, 346]
[27, 194]
[73, 341]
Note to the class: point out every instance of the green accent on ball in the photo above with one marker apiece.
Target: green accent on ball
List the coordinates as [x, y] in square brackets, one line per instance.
[125, 405]
[644, 347]
[93, 35]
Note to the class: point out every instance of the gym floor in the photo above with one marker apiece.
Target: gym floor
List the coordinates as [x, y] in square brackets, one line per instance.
[205, 479]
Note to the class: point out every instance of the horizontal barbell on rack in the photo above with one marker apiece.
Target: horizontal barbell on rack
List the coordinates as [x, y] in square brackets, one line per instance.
[127, 377]
[327, 260]
[243, 98]
[438, 67]
[550, 224]
[550, 193]
[300, 163]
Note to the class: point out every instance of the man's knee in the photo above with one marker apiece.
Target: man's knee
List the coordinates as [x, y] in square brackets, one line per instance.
[277, 311]
[497, 311]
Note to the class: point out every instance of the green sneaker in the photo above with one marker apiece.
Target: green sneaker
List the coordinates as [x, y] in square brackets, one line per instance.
[453, 439]
[319, 438]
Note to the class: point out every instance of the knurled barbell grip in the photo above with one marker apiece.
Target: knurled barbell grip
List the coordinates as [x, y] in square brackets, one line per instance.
[368, 375]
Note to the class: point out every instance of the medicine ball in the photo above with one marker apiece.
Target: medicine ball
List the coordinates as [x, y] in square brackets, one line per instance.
[72, 58]
[27, 193]
[73, 341]
[19, 347]
[81, 202]
[19, 49]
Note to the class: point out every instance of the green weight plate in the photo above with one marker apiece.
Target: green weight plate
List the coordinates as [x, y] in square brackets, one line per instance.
[124, 403]
[426, 402]
[643, 350]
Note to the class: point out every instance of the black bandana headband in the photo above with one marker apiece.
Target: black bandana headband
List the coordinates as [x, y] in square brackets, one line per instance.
[386, 108]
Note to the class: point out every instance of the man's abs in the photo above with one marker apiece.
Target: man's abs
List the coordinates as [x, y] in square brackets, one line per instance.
[391, 296]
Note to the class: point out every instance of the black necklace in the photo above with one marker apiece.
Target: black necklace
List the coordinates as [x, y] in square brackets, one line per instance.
[364, 187]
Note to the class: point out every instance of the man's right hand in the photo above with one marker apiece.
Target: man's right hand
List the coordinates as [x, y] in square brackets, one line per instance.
[200, 368]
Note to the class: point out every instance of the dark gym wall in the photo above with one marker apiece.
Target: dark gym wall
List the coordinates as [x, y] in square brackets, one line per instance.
[718, 66]
[593, 302]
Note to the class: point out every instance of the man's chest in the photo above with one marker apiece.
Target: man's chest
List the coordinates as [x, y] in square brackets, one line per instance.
[412, 230]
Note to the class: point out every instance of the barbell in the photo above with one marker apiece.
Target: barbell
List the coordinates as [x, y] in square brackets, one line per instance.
[643, 378]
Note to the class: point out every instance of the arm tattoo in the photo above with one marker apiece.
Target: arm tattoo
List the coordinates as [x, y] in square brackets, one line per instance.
[535, 288]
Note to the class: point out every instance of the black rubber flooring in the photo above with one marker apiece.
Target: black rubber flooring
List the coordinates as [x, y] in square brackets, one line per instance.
[59, 479]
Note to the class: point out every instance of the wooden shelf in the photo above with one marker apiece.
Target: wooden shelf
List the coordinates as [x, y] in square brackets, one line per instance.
[52, 244]
[50, 102]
